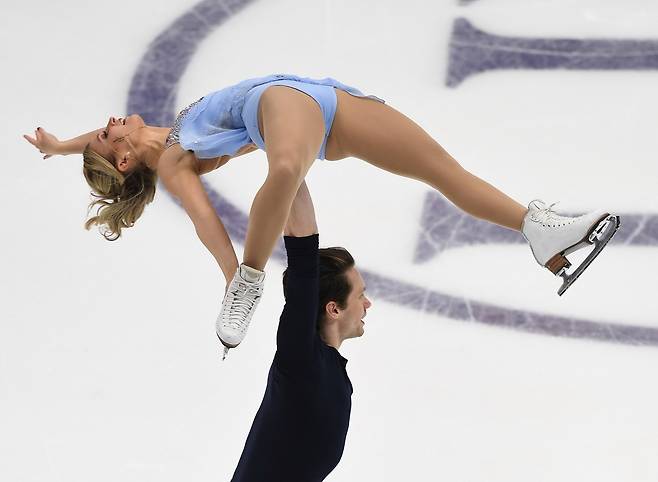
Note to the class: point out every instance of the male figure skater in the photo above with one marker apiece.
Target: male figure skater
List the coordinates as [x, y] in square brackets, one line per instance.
[298, 434]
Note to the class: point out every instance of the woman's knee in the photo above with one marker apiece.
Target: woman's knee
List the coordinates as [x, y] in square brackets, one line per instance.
[288, 169]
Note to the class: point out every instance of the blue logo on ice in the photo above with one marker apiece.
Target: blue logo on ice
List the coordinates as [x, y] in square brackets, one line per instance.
[152, 95]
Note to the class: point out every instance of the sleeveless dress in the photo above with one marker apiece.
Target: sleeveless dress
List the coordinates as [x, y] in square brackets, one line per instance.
[223, 121]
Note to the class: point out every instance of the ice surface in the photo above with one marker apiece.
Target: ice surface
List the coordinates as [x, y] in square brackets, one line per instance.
[471, 368]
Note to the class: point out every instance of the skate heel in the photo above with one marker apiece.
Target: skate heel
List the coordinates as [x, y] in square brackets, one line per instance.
[558, 263]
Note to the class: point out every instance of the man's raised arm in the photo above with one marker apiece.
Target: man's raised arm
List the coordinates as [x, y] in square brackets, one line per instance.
[297, 326]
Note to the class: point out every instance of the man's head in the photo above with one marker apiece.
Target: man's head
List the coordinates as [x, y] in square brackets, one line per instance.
[342, 300]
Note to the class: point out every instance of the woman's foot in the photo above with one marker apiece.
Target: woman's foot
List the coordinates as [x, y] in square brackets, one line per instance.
[552, 237]
[242, 297]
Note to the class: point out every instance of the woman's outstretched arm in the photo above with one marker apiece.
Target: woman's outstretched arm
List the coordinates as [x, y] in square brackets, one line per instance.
[49, 145]
[177, 169]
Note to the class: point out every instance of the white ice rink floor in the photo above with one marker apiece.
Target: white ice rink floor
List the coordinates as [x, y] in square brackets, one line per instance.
[471, 368]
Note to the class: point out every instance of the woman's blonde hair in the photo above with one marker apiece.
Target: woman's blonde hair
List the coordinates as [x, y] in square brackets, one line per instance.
[120, 199]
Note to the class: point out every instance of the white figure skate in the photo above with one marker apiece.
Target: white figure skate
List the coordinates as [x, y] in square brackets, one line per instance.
[242, 297]
[552, 237]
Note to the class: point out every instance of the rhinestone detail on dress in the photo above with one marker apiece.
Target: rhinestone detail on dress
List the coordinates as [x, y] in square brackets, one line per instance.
[174, 133]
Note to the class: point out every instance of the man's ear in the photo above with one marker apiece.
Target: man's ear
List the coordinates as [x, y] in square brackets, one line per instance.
[332, 311]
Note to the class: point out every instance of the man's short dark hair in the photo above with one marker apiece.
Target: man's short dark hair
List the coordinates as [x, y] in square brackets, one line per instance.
[334, 285]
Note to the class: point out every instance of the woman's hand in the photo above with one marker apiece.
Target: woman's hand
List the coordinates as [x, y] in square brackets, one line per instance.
[47, 143]
[301, 219]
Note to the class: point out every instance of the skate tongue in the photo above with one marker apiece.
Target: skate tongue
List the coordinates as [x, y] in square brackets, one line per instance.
[250, 274]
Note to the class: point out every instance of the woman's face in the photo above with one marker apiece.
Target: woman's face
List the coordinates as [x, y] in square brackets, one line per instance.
[110, 141]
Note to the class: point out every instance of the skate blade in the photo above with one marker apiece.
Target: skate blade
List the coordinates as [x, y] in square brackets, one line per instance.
[226, 347]
[600, 236]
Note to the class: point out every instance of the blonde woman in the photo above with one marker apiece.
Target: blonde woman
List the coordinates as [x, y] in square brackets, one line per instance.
[295, 120]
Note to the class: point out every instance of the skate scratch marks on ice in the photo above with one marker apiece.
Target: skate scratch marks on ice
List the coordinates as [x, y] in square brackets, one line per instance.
[152, 95]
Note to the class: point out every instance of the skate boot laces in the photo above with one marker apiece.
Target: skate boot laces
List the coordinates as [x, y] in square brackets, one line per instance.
[240, 302]
[546, 216]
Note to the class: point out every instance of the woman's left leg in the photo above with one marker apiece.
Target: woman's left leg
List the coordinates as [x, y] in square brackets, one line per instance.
[382, 136]
[379, 134]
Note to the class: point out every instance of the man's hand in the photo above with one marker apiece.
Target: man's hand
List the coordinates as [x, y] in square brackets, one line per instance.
[301, 219]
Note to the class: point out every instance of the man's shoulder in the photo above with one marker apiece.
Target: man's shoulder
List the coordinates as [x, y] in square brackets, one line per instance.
[286, 364]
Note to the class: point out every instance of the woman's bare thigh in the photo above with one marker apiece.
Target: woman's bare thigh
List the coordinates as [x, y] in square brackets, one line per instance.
[382, 136]
[291, 125]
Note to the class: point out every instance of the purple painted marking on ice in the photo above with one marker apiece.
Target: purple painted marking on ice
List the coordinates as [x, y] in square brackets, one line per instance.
[152, 94]
[443, 227]
[473, 51]
[430, 301]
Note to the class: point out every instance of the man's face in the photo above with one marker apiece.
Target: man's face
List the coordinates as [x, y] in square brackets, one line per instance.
[350, 321]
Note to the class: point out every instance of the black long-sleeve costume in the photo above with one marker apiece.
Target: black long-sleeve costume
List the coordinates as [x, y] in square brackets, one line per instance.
[298, 434]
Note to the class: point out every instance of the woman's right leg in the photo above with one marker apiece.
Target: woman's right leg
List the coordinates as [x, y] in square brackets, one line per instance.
[292, 127]
[385, 138]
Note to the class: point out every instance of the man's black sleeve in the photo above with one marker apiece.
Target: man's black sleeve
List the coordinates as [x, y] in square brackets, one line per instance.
[297, 332]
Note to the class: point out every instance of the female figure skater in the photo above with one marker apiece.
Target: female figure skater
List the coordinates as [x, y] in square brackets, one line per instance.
[295, 120]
